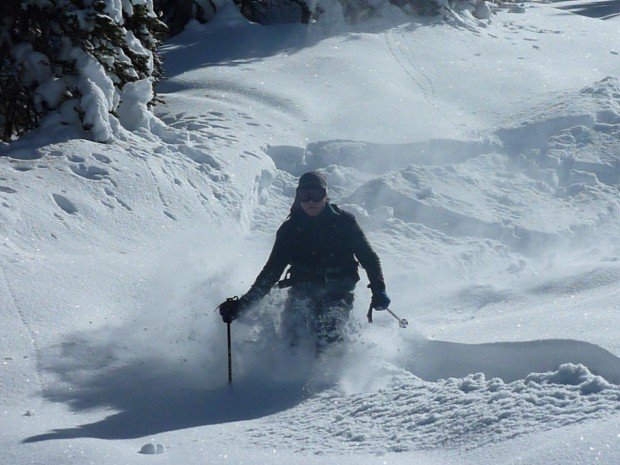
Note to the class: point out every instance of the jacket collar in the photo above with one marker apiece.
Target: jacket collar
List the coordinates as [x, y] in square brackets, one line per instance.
[329, 212]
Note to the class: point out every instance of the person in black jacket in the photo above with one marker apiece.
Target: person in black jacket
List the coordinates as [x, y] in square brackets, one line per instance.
[322, 244]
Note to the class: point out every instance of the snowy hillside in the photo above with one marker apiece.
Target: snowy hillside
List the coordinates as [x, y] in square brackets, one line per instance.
[482, 158]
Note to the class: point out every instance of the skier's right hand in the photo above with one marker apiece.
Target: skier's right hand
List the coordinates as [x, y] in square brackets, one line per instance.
[231, 308]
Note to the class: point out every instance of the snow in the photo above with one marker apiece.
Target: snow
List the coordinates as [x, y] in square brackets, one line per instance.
[114, 9]
[454, 413]
[483, 10]
[94, 105]
[35, 64]
[480, 157]
[93, 71]
[51, 91]
[136, 47]
[151, 449]
[133, 112]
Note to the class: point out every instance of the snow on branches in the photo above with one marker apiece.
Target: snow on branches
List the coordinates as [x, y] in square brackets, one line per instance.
[74, 61]
[355, 11]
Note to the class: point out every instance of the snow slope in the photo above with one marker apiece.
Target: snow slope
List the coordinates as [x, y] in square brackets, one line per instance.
[482, 158]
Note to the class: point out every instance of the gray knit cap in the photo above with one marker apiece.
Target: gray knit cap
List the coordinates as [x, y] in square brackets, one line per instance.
[312, 179]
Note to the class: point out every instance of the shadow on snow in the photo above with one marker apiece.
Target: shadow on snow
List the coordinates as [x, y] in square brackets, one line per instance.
[433, 360]
[250, 43]
[606, 9]
[149, 403]
[154, 396]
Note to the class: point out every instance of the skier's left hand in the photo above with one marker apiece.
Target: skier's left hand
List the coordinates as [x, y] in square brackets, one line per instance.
[380, 300]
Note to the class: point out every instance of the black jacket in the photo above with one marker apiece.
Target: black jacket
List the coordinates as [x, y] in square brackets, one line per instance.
[318, 249]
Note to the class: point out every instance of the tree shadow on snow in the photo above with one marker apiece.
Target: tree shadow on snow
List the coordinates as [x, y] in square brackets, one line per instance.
[204, 47]
[606, 9]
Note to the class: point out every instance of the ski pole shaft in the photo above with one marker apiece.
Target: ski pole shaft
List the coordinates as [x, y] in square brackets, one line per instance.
[401, 321]
[229, 354]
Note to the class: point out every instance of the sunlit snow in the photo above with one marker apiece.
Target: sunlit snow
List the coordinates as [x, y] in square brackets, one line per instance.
[482, 157]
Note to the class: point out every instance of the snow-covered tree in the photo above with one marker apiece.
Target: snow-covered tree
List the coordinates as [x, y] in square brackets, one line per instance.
[68, 61]
[354, 11]
[177, 13]
[424, 7]
[359, 10]
[480, 9]
[275, 11]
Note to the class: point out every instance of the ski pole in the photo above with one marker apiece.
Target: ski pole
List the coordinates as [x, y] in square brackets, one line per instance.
[401, 321]
[229, 354]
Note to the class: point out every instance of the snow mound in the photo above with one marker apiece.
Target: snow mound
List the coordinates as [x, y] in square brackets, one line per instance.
[572, 375]
[499, 188]
[152, 449]
[412, 414]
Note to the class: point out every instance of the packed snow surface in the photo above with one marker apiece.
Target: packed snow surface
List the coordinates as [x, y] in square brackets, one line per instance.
[482, 158]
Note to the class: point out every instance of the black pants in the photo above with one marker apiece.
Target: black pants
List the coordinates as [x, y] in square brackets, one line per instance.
[318, 310]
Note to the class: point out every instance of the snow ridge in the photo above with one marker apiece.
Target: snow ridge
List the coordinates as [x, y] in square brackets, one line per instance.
[465, 412]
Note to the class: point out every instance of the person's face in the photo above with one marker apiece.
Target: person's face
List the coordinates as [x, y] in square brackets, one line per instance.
[312, 199]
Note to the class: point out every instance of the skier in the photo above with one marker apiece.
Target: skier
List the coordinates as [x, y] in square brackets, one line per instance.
[320, 242]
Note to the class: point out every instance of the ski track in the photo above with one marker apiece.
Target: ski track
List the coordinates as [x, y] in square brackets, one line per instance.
[415, 72]
[30, 331]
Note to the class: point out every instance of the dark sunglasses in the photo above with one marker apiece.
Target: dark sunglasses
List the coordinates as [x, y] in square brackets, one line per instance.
[315, 194]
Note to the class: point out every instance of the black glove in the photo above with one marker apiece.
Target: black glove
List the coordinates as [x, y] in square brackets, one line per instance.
[380, 300]
[232, 308]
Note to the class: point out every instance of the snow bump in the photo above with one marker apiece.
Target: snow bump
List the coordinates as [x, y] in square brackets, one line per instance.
[65, 204]
[412, 414]
[152, 449]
